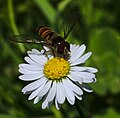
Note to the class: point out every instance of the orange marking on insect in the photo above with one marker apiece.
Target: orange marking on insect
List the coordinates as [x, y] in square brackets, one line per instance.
[44, 33]
[42, 29]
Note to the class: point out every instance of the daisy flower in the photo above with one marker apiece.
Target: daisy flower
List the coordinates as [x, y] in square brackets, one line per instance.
[55, 79]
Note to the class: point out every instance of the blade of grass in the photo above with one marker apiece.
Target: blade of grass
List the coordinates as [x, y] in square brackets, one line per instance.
[7, 50]
[62, 5]
[12, 22]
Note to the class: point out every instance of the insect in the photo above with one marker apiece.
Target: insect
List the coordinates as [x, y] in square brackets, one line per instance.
[49, 38]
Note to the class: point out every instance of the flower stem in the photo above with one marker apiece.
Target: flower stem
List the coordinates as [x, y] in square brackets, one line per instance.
[57, 113]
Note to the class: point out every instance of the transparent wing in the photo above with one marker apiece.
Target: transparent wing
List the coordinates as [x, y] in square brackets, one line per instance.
[27, 38]
[67, 28]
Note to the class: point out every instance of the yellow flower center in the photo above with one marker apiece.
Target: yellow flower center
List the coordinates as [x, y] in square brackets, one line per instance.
[56, 68]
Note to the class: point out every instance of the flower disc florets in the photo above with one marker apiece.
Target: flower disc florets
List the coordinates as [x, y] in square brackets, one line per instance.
[56, 68]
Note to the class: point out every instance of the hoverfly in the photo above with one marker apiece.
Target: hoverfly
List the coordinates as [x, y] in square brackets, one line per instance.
[49, 38]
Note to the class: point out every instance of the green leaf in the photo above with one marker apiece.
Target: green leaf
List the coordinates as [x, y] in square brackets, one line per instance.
[86, 6]
[115, 85]
[17, 113]
[5, 116]
[110, 113]
[104, 43]
[100, 87]
[104, 40]
[62, 5]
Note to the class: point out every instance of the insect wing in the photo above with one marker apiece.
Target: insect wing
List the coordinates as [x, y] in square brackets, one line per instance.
[27, 38]
[67, 28]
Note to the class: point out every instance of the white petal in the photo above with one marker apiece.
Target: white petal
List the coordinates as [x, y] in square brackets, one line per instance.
[86, 75]
[31, 67]
[90, 80]
[45, 89]
[74, 87]
[80, 77]
[35, 93]
[94, 79]
[60, 93]
[37, 99]
[49, 104]
[57, 104]
[40, 59]
[86, 56]
[52, 92]
[78, 97]
[78, 53]
[36, 51]
[89, 69]
[26, 71]
[69, 100]
[75, 77]
[34, 85]
[30, 77]
[30, 61]
[44, 104]
[77, 68]
[69, 93]
[42, 51]
[72, 46]
[74, 49]
[85, 87]
[81, 59]
[46, 48]
[29, 52]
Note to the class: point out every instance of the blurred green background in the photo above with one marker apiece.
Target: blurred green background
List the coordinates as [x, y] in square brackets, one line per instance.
[98, 28]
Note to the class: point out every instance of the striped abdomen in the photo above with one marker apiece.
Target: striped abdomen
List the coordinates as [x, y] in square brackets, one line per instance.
[46, 33]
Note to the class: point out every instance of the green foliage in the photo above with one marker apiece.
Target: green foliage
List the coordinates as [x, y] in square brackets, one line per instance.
[98, 27]
[110, 113]
[104, 43]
